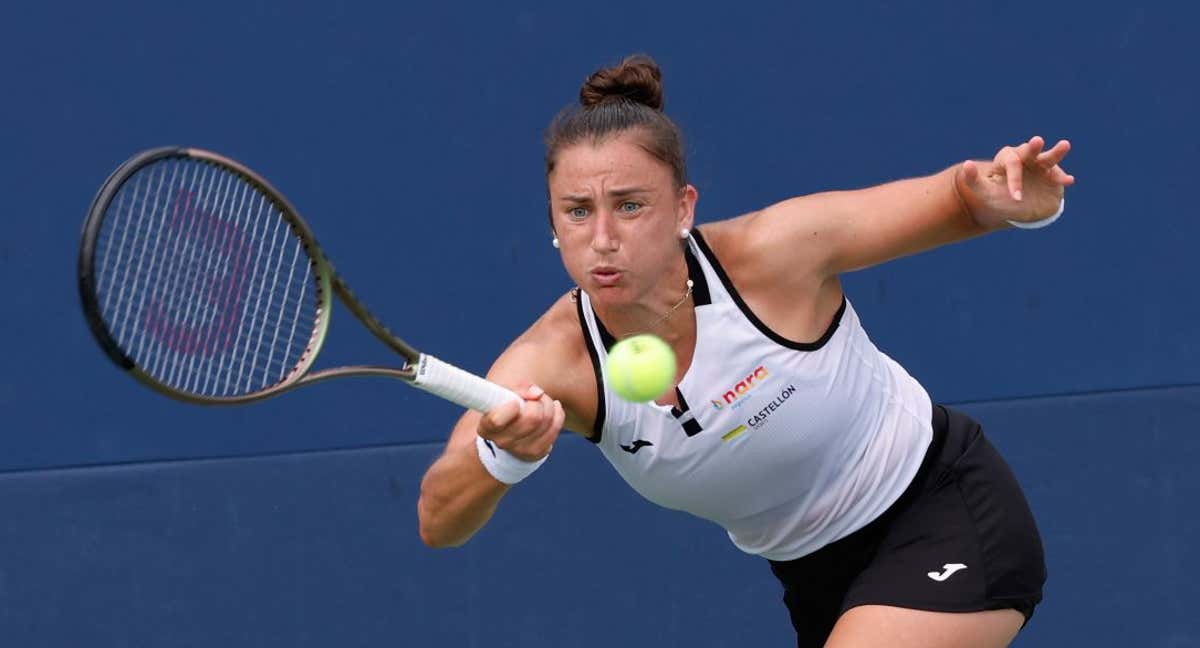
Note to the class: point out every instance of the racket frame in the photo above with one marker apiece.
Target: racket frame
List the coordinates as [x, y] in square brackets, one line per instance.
[326, 279]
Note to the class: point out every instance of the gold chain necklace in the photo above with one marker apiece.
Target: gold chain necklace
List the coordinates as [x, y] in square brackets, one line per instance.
[674, 308]
[687, 293]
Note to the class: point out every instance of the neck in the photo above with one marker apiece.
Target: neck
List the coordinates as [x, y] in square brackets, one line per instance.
[666, 310]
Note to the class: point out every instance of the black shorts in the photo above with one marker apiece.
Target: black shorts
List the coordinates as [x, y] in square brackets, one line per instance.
[960, 539]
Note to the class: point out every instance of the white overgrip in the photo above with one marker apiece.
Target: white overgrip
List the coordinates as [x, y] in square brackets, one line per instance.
[471, 391]
[458, 386]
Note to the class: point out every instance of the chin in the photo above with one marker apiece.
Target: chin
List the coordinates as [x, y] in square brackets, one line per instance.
[610, 295]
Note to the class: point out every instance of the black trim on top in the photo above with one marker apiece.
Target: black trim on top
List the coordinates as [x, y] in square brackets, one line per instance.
[683, 404]
[691, 426]
[700, 294]
[598, 425]
[605, 337]
[763, 328]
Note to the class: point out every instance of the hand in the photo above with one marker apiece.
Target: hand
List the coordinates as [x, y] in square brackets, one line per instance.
[1022, 183]
[526, 430]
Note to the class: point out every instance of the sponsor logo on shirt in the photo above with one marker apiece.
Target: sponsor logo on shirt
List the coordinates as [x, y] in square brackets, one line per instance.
[760, 419]
[637, 444]
[732, 396]
[734, 433]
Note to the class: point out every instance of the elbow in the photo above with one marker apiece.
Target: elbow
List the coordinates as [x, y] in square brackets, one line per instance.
[434, 539]
[433, 534]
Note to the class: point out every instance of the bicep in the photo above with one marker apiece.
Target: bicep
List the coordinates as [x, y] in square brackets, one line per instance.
[551, 355]
[521, 365]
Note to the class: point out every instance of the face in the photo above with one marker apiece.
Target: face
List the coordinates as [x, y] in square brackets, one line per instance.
[617, 215]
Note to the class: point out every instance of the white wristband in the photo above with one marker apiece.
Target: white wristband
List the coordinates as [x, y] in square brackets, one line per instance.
[1045, 221]
[503, 466]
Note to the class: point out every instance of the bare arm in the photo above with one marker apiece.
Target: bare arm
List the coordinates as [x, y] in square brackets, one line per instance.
[458, 494]
[849, 230]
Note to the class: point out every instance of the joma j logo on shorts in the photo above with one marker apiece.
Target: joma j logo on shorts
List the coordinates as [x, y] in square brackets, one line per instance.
[949, 569]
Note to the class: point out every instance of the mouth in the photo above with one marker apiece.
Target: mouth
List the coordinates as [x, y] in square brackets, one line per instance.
[605, 275]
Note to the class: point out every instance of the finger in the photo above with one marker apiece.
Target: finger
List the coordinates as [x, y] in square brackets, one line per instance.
[547, 410]
[498, 418]
[532, 393]
[1030, 150]
[533, 418]
[536, 443]
[552, 420]
[550, 434]
[970, 172]
[1055, 155]
[1014, 171]
[1059, 176]
[560, 417]
[1048, 159]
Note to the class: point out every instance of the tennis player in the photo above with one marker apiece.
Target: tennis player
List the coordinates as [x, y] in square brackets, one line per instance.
[888, 519]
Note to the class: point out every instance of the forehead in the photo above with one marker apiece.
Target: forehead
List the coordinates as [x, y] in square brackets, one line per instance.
[600, 165]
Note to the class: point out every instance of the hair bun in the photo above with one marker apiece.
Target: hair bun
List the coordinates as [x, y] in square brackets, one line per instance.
[635, 79]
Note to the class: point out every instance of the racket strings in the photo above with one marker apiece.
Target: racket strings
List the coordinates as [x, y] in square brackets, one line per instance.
[201, 281]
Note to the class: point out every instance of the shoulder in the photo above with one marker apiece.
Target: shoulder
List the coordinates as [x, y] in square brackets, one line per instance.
[781, 242]
[779, 270]
[553, 354]
[554, 340]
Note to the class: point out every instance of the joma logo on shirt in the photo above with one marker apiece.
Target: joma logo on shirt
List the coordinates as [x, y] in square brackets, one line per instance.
[743, 386]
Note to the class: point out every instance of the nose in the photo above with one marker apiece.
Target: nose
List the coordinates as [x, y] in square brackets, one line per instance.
[604, 234]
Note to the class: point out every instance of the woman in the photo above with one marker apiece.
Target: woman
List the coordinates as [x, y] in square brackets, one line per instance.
[881, 514]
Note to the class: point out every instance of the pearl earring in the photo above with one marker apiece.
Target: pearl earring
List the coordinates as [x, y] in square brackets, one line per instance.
[554, 242]
[683, 233]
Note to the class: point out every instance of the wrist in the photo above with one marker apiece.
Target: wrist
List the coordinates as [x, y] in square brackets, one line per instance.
[961, 193]
[1062, 206]
[502, 465]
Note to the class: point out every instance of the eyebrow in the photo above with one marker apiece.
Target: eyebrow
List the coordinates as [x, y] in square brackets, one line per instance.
[615, 193]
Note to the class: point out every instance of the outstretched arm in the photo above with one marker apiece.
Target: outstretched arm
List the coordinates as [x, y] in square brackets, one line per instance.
[850, 230]
[458, 494]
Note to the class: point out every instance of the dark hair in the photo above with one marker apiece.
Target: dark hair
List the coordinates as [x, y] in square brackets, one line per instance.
[625, 97]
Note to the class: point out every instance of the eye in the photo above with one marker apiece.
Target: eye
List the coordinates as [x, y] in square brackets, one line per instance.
[630, 207]
[577, 213]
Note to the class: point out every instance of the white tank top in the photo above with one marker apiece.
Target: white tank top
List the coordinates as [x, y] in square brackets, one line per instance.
[788, 446]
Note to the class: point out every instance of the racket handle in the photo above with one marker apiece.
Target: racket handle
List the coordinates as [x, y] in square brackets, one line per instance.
[459, 386]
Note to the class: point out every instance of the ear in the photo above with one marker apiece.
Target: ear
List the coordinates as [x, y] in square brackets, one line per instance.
[686, 212]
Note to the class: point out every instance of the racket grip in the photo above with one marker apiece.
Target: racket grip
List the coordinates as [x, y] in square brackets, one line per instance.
[459, 386]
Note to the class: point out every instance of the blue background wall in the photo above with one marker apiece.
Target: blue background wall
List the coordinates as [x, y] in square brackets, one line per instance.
[409, 136]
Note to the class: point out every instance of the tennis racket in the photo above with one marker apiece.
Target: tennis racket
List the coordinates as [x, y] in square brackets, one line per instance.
[201, 281]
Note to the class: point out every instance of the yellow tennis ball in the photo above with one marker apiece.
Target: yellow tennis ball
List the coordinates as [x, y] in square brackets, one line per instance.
[641, 368]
